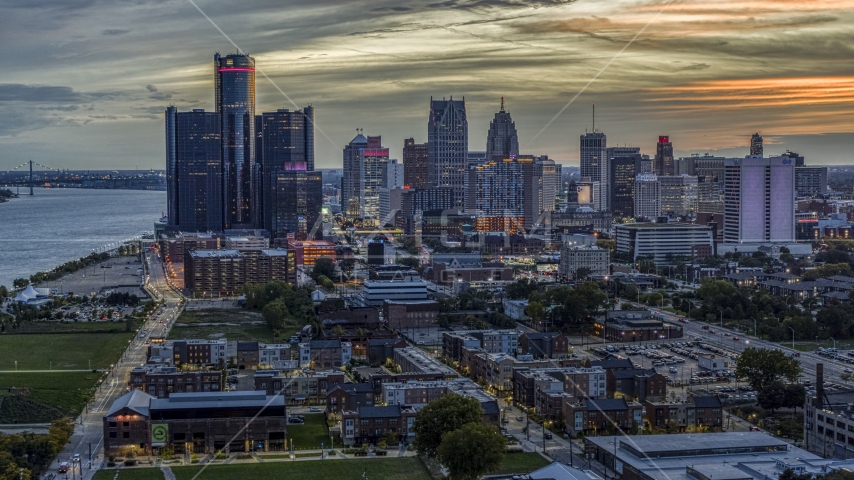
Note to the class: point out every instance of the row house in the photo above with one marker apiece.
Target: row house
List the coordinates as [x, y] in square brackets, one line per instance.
[419, 394]
[697, 414]
[544, 344]
[496, 369]
[371, 424]
[380, 350]
[415, 360]
[376, 378]
[325, 354]
[600, 416]
[349, 396]
[529, 384]
[301, 389]
[490, 341]
[637, 384]
[160, 381]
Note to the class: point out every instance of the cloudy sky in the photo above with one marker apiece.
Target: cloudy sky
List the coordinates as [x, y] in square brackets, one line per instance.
[85, 82]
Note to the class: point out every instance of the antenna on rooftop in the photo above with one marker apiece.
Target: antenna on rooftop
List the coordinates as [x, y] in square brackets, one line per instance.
[502, 103]
[594, 117]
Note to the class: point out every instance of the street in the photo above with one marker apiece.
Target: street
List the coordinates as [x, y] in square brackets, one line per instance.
[89, 435]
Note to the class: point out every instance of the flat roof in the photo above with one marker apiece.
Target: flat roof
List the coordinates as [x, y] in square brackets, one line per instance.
[689, 443]
[210, 400]
[214, 253]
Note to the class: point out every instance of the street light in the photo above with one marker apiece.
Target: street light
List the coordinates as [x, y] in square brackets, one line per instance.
[793, 337]
[722, 317]
[754, 327]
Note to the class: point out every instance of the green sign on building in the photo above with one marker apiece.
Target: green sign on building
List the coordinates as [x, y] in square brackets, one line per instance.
[159, 433]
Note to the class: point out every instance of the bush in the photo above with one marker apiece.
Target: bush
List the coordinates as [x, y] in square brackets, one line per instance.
[130, 463]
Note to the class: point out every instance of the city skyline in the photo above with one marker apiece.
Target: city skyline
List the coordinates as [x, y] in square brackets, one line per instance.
[709, 76]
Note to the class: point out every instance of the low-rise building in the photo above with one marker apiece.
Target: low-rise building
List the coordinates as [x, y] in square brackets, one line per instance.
[402, 315]
[325, 354]
[298, 389]
[160, 381]
[411, 288]
[634, 326]
[598, 416]
[201, 423]
[350, 396]
[662, 241]
[490, 341]
[414, 360]
[544, 344]
[530, 383]
[713, 363]
[636, 384]
[380, 350]
[696, 414]
[593, 260]
[371, 424]
[496, 369]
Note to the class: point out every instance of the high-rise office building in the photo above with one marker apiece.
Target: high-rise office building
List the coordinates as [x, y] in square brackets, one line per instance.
[679, 195]
[287, 145]
[171, 167]
[234, 78]
[549, 185]
[500, 193]
[194, 175]
[415, 173]
[502, 141]
[756, 148]
[365, 161]
[647, 196]
[594, 164]
[448, 145]
[392, 181]
[664, 164]
[810, 181]
[759, 199]
[624, 164]
[296, 197]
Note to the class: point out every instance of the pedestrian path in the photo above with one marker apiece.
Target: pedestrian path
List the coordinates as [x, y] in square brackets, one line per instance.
[167, 473]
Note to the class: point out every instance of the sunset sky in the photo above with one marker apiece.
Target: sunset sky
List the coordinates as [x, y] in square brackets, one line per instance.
[85, 82]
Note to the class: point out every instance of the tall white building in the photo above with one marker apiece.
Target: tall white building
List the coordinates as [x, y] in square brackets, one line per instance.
[647, 196]
[679, 195]
[594, 164]
[759, 200]
[392, 179]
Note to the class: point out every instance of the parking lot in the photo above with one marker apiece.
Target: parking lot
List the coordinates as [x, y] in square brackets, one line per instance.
[678, 363]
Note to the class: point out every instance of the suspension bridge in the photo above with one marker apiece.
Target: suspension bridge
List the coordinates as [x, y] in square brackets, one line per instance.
[27, 181]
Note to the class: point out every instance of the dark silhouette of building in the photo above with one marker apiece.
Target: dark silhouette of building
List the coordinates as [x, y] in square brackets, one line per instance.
[502, 141]
[664, 163]
[193, 170]
[291, 192]
[756, 147]
[415, 173]
[447, 146]
[234, 76]
[624, 164]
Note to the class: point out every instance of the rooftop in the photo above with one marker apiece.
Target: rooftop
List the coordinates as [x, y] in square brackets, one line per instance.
[214, 253]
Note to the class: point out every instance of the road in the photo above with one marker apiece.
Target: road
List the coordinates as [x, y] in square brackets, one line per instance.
[89, 435]
[833, 369]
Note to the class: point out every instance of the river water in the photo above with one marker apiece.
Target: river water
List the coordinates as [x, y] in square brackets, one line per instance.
[57, 225]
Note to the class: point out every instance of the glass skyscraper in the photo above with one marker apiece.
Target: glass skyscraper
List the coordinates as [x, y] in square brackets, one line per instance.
[235, 103]
[448, 145]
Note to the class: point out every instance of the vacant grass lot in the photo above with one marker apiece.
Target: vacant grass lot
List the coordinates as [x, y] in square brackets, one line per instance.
[310, 435]
[407, 468]
[59, 351]
[62, 393]
[72, 327]
[522, 462]
[223, 323]
[130, 474]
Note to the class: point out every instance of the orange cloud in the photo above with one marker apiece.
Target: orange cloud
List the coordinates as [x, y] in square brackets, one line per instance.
[782, 92]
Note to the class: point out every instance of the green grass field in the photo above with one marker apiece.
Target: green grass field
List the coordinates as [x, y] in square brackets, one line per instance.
[409, 468]
[62, 351]
[525, 462]
[66, 392]
[223, 323]
[310, 435]
[71, 327]
[130, 474]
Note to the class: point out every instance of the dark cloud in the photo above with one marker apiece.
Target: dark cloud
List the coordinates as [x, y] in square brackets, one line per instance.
[16, 92]
[151, 88]
[114, 32]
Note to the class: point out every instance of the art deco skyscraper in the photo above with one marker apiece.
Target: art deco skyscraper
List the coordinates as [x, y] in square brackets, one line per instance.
[664, 163]
[234, 79]
[756, 147]
[502, 141]
[447, 145]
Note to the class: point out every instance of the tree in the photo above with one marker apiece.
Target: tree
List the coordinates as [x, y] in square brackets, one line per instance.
[275, 313]
[326, 282]
[20, 282]
[770, 397]
[794, 396]
[762, 367]
[441, 416]
[472, 450]
[582, 272]
[789, 474]
[323, 266]
[536, 311]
